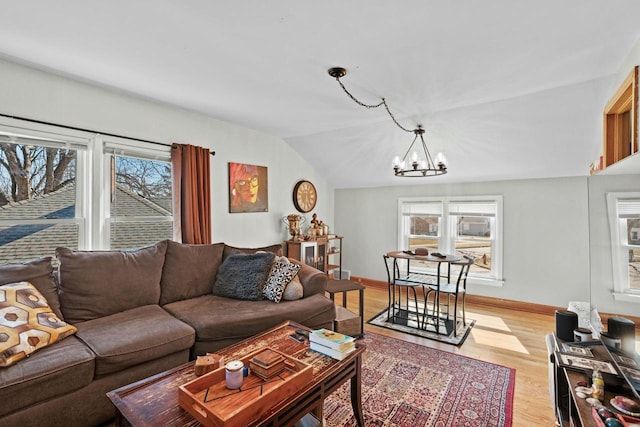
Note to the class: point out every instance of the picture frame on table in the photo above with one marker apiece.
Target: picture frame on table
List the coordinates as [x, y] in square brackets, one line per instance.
[633, 375]
[570, 361]
[576, 350]
[622, 359]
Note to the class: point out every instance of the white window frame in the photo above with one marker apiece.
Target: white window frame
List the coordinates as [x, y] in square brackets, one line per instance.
[47, 136]
[620, 246]
[92, 173]
[420, 207]
[448, 232]
[126, 148]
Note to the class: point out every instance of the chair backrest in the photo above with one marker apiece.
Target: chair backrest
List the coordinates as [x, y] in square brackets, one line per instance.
[388, 260]
[465, 265]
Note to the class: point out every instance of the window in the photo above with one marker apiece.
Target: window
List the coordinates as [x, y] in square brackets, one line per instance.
[624, 222]
[422, 225]
[48, 183]
[470, 226]
[40, 206]
[473, 230]
[140, 204]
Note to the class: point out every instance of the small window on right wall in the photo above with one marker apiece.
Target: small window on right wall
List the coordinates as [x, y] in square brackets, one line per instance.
[624, 223]
[620, 116]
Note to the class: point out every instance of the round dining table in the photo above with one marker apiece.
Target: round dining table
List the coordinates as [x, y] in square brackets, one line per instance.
[411, 256]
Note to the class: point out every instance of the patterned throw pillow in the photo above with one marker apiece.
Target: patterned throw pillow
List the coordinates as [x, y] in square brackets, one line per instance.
[279, 277]
[27, 323]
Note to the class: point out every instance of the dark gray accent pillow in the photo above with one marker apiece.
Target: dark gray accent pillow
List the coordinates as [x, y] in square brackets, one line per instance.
[228, 250]
[39, 273]
[189, 271]
[99, 283]
[243, 276]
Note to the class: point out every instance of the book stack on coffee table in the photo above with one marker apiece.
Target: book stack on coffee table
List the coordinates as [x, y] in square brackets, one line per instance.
[267, 364]
[333, 344]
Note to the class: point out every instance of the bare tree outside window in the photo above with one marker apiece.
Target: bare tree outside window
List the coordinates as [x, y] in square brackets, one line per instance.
[29, 171]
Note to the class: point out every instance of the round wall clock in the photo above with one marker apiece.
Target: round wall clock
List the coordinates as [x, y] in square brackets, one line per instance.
[304, 196]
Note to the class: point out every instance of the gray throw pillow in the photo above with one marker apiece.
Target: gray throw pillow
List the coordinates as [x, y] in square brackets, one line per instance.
[294, 290]
[243, 276]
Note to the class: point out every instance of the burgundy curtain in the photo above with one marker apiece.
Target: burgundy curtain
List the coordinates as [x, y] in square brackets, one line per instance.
[190, 167]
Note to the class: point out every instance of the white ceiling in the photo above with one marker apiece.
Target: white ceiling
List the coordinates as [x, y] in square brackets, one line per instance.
[505, 88]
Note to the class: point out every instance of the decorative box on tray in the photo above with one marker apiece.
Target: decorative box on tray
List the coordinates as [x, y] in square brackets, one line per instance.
[267, 363]
[209, 400]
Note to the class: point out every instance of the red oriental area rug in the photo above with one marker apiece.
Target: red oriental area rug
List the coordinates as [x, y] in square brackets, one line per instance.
[406, 384]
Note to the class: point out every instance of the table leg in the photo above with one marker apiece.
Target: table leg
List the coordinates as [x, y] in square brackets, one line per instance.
[356, 393]
[318, 411]
[392, 305]
[437, 301]
[361, 310]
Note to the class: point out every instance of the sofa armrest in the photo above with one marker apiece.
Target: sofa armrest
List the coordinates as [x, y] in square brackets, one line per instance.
[313, 280]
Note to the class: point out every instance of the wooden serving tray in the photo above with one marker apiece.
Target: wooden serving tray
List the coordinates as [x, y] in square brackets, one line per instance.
[209, 400]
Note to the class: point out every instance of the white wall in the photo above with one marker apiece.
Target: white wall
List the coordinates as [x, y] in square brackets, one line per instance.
[546, 241]
[556, 236]
[26, 92]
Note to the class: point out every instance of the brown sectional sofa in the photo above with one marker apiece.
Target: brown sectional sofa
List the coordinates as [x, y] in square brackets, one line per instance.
[137, 314]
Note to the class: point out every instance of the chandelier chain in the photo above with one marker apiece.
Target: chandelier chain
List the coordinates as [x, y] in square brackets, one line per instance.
[394, 119]
[383, 102]
[360, 103]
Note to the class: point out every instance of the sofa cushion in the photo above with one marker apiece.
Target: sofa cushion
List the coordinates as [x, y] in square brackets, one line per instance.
[282, 272]
[39, 273]
[189, 270]
[274, 249]
[99, 283]
[243, 276]
[51, 372]
[294, 290]
[27, 323]
[133, 337]
[218, 318]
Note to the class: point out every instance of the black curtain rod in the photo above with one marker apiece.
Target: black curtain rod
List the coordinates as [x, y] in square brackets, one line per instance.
[41, 122]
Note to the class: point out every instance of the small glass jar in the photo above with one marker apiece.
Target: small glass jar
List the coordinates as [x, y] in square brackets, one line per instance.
[233, 374]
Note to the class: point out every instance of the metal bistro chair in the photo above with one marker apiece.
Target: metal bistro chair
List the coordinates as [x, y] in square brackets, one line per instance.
[397, 285]
[452, 290]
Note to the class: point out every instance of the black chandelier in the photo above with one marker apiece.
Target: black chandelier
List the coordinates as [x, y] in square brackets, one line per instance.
[415, 165]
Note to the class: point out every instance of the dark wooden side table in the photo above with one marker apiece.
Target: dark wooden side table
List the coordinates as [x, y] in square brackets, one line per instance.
[344, 286]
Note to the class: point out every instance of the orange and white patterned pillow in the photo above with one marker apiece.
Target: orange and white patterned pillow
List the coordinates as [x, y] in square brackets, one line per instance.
[27, 323]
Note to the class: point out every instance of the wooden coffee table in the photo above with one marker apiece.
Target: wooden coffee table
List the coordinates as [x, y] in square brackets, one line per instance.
[154, 401]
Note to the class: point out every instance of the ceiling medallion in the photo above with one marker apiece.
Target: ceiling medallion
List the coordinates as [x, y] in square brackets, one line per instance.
[415, 165]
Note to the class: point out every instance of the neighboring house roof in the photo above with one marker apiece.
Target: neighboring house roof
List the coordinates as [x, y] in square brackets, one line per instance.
[55, 205]
[22, 242]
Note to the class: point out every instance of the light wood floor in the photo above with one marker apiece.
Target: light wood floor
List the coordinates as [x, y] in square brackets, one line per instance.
[505, 337]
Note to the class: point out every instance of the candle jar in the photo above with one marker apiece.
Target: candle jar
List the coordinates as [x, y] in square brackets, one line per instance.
[233, 374]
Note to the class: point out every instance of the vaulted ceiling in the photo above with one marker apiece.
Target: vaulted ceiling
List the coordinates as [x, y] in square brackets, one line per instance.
[506, 89]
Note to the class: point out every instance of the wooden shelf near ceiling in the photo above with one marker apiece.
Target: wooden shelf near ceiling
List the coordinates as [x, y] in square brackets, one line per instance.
[620, 117]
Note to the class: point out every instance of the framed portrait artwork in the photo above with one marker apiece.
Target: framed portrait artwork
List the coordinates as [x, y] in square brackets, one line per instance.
[248, 188]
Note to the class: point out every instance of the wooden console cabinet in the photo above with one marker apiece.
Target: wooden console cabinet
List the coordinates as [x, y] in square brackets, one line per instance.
[324, 253]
